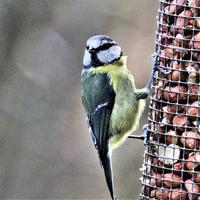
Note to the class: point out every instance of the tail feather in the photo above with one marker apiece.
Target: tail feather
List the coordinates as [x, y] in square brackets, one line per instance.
[107, 166]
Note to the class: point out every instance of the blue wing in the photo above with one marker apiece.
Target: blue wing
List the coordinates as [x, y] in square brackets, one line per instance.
[98, 99]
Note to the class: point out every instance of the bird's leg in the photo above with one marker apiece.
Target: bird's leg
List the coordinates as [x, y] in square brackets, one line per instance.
[144, 92]
[144, 136]
[140, 137]
[154, 61]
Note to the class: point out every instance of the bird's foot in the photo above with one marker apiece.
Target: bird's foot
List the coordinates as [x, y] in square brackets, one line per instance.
[155, 64]
[146, 135]
[154, 60]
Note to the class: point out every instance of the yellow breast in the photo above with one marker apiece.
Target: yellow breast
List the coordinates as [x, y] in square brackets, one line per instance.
[127, 109]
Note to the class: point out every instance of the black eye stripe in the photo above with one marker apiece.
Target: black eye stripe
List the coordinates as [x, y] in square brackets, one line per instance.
[101, 48]
[105, 46]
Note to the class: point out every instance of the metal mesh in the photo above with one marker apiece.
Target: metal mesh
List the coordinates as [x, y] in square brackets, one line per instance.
[172, 161]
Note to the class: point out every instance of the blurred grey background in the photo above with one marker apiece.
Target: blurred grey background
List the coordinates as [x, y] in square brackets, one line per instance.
[45, 149]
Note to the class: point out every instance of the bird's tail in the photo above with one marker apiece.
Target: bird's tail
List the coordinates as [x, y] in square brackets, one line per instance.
[107, 166]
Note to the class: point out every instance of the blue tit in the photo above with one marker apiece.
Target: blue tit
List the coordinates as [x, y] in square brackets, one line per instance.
[112, 103]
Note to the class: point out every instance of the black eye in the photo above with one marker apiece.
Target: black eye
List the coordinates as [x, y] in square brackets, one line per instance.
[87, 47]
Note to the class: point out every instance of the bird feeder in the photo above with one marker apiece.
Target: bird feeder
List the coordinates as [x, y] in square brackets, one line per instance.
[171, 168]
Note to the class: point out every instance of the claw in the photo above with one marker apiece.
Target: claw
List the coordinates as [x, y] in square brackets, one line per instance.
[154, 58]
[165, 71]
[155, 64]
[144, 136]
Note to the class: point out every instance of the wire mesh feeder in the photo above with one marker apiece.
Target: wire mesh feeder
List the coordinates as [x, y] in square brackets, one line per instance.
[172, 160]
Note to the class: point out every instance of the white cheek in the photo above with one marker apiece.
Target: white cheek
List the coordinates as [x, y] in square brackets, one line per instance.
[86, 58]
[115, 51]
[110, 54]
[104, 56]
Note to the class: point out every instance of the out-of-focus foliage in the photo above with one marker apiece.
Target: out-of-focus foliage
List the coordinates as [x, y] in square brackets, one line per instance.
[45, 148]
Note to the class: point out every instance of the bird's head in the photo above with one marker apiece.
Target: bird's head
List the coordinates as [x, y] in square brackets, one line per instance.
[101, 50]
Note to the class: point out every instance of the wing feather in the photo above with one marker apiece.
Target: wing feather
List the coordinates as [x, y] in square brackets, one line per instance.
[98, 99]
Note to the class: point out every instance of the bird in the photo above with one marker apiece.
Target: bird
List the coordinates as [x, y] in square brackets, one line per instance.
[112, 103]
